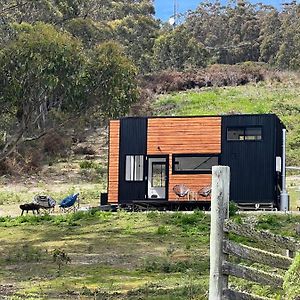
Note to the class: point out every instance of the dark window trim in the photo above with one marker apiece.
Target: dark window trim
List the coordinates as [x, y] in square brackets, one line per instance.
[167, 157]
[134, 165]
[218, 155]
[244, 128]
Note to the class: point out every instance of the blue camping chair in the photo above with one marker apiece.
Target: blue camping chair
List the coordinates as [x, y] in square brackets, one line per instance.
[68, 204]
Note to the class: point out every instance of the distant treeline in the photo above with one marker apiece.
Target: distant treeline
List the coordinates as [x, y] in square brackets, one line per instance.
[213, 33]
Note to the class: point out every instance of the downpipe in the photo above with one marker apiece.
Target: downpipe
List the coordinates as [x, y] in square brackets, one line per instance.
[284, 196]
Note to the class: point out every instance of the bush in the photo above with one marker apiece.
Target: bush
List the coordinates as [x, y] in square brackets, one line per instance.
[54, 144]
[87, 164]
[84, 150]
[60, 257]
[233, 208]
[162, 230]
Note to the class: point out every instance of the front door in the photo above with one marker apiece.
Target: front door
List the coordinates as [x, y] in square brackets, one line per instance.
[158, 178]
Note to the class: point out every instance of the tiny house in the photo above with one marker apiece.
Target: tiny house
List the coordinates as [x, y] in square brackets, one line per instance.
[152, 158]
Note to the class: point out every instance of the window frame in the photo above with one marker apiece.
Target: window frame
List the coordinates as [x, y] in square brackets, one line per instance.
[244, 128]
[175, 155]
[134, 167]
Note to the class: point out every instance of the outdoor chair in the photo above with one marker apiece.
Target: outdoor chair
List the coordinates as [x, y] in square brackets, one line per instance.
[205, 191]
[181, 191]
[68, 204]
[45, 202]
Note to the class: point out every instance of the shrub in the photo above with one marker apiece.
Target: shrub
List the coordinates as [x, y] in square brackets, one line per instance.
[233, 208]
[55, 144]
[60, 257]
[162, 230]
[84, 150]
[87, 164]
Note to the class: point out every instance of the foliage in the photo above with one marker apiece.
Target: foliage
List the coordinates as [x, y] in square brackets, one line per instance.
[178, 50]
[137, 34]
[41, 71]
[233, 209]
[112, 78]
[60, 257]
[268, 221]
[236, 32]
[47, 78]
[87, 164]
[291, 283]
[88, 31]
[162, 230]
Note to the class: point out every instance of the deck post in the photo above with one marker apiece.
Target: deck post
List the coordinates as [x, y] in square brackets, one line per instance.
[219, 212]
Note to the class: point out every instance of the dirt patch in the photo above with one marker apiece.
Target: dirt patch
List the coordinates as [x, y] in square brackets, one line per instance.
[7, 290]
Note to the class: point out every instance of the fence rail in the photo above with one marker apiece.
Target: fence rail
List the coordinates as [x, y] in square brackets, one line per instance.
[221, 248]
[275, 241]
[257, 255]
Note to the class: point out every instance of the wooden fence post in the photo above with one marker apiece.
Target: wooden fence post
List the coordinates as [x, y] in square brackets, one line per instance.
[219, 212]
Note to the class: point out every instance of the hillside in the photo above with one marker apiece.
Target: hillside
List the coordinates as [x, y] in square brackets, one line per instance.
[281, 97]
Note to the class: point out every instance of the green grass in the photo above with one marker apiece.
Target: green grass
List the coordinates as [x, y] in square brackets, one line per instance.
[114, 255]
[264, 97]
[107, 259]
[12, 196]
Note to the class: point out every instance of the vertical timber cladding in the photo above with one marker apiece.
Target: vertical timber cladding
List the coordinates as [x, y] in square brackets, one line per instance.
[187, 135]
[252, 163]
[133, 141]
[113, 167]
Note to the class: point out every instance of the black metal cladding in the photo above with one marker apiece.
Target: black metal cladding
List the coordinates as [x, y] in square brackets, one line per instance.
[252, 163]
[133, 141]
[278, 152]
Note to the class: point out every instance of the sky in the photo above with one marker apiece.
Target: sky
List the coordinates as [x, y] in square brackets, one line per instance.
[164, 8]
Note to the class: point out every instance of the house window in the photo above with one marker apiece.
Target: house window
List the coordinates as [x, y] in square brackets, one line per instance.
[244, 134]
[158, 178]
[194, 163]
[134, 168]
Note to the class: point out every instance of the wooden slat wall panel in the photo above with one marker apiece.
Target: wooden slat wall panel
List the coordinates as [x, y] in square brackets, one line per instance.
[113, 168]
[193, 181]
[184, 135]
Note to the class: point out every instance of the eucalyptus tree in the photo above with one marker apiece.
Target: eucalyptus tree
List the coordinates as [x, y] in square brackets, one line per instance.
[178, 50]
[47, 79]
[270, 35]
[288, 56]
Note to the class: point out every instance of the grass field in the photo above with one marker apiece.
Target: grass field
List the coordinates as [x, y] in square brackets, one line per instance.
[114, 255]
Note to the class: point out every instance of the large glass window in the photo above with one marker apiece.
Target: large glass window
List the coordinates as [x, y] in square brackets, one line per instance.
[244, 134]
[134, 168]
[194, 163]
[158, 178]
